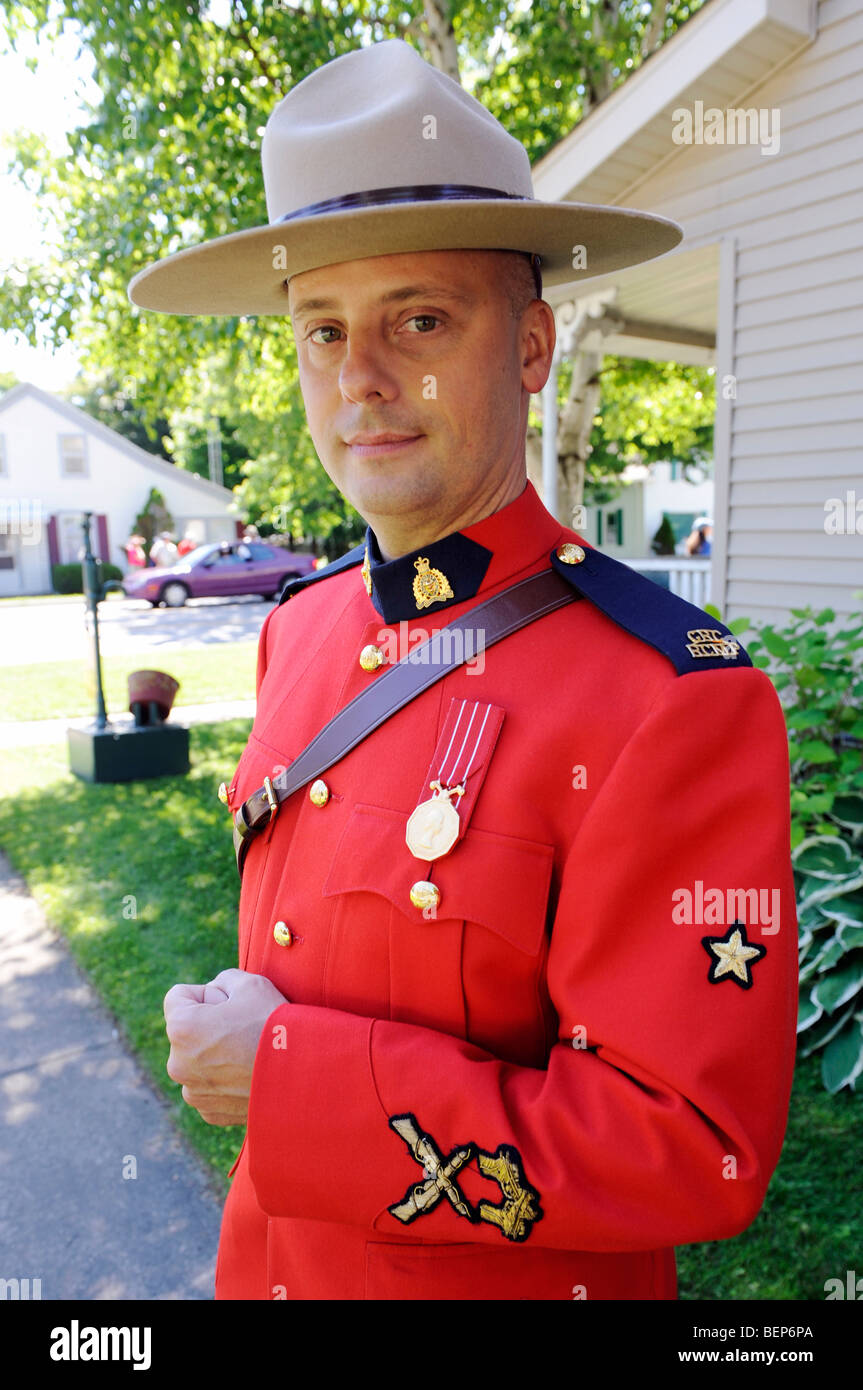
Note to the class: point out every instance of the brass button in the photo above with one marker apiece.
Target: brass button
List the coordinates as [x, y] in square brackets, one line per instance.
[425, 895]
[570, 554]
[282, 934]
[319, 793]
[371, 658]
[223, 794]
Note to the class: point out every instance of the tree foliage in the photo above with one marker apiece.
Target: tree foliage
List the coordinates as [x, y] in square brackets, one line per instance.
[170, 156]
[650, 411]
[106, 399]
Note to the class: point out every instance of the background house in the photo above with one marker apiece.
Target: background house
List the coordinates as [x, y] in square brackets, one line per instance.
[767, 283]
[626, 526]
[57, 462]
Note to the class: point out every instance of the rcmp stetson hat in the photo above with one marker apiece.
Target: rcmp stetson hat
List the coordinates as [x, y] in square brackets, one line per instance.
[378, 152]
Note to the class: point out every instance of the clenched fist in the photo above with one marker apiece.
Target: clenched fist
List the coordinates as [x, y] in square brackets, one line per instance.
[214, 1030]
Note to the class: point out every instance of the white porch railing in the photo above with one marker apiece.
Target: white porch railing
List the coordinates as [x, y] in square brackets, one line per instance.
[688, 578]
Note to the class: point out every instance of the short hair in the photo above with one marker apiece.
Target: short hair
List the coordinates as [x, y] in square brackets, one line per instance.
[521, 281]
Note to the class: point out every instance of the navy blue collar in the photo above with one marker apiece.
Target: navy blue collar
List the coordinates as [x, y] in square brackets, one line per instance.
[427, 580]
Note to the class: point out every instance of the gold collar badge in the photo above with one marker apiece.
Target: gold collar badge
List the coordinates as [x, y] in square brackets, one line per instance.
[430, 586]
[367, 573]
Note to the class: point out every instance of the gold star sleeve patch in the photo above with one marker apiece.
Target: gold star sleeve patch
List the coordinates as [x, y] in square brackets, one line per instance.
[732, 956]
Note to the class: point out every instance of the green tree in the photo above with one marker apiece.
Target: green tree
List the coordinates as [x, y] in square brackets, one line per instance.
[106, 399]
[649, 411]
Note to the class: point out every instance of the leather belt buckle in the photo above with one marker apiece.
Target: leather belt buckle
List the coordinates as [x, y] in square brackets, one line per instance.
[271, 799]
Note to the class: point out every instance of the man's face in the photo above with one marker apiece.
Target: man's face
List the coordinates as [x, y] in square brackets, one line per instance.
[414, 376]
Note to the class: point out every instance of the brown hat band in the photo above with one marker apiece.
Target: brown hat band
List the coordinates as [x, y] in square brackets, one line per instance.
[406, 193]
[415, 193]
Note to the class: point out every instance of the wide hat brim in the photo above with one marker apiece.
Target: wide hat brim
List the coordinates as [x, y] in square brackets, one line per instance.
[247, 272]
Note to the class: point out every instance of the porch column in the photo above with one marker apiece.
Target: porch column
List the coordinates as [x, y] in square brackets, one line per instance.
[549, 439]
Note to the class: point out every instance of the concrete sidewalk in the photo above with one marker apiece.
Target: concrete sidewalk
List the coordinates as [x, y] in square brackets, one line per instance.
[76, 1113]
[27, 733]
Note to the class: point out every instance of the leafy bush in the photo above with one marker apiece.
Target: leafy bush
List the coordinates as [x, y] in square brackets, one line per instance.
[817, 669]
[67, 579]
[663, 542]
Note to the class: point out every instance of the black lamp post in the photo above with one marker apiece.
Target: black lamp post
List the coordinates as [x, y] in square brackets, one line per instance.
[94, 591]
[102, 752]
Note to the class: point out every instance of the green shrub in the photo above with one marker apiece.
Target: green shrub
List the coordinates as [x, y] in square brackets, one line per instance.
[67, 579]
[663, 542]
[817, 668]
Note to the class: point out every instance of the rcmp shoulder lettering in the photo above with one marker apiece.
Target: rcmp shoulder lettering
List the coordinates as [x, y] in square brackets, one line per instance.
[344, 562]
[690, 638]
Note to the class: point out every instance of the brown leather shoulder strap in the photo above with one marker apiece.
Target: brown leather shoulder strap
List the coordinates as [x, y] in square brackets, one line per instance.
[425, 664]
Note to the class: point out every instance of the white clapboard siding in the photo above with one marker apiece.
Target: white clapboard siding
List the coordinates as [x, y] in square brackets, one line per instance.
[751, 497]
[830, 239]
[765, 337]
[811, 358]
[812, 218]
[786, 468]
[817, 383]
[796, 301]
[821, 409]
[797, 420]
[767, 603]
[805, 528]
[825, 268]
[792, 569]
[787, 299]
[804, 438]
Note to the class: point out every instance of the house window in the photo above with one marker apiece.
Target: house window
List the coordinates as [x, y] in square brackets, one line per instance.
[614, 523]
[73, 456]
[7, 553]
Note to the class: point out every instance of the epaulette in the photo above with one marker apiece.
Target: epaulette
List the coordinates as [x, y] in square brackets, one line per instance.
[690, 638]
[344, 562]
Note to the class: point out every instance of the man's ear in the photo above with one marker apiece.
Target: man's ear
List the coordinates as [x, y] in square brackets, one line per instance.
[537, 337]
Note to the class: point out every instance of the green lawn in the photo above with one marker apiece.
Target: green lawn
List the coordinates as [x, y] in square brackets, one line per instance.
[16, 600]
[93, 853]
[61, 689]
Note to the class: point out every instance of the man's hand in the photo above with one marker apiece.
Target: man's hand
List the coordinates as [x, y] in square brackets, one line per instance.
[214, 1030]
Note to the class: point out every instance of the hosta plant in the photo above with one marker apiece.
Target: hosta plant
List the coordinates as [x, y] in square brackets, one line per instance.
[817, 668]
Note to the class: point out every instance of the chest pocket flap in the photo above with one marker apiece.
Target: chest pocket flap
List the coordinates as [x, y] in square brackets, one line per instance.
[497, 881]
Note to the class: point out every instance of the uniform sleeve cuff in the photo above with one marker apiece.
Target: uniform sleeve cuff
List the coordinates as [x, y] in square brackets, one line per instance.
[317, 1131]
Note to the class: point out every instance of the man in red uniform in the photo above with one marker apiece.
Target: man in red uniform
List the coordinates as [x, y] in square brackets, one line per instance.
[516, 1001]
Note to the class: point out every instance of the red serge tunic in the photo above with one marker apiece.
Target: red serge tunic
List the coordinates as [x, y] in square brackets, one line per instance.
[583, 1055]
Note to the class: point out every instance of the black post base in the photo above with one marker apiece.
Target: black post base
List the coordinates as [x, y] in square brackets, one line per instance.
[124, 754]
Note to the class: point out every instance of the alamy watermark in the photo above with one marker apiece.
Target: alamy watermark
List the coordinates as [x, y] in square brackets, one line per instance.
[844, 517]
[717, 907]
[22, 517]
[454, 646]
[734, 126]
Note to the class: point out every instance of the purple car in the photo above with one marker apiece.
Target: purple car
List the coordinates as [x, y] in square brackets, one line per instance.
[226, 567]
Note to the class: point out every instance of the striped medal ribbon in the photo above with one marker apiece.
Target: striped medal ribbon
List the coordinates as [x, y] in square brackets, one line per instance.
[433, 827]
